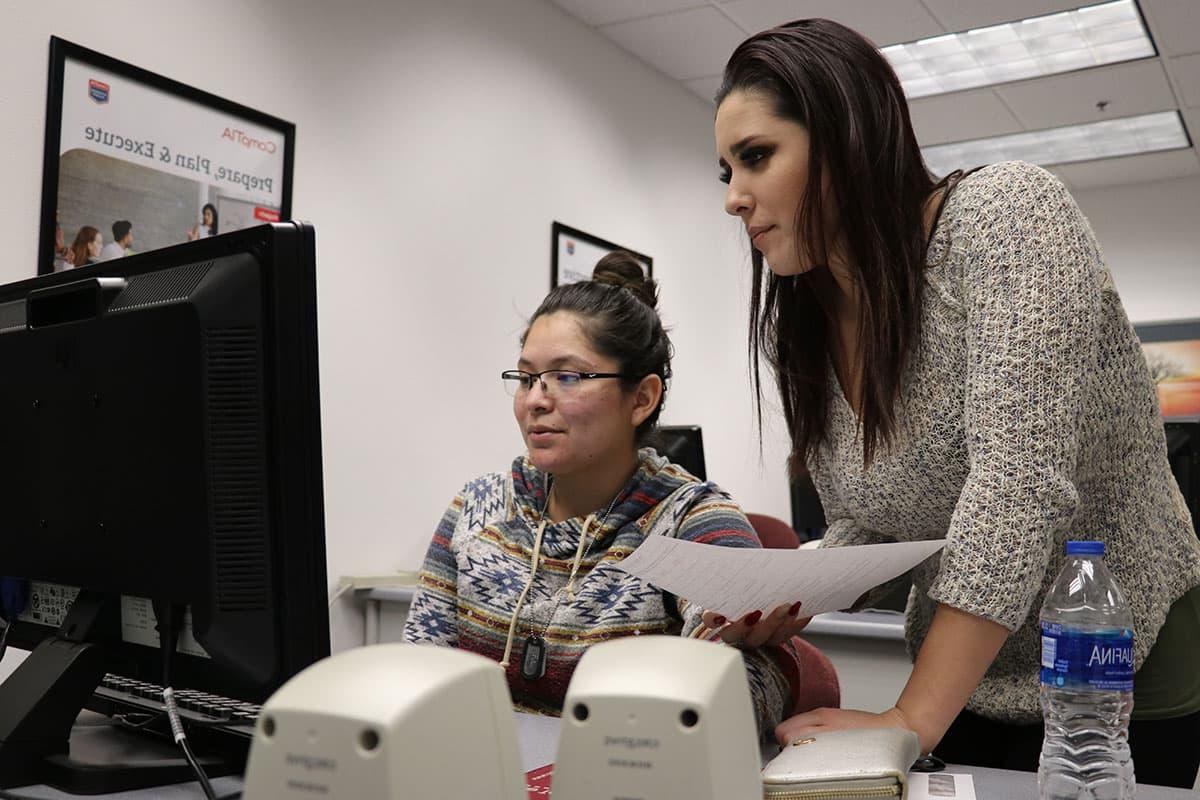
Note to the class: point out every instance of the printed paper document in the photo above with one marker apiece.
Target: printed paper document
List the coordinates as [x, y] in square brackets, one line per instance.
[735, 581]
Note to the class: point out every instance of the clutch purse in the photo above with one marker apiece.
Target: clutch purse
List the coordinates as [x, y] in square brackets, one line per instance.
[843, 765]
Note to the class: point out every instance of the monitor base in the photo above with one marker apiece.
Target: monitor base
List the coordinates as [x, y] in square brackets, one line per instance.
[105, 758]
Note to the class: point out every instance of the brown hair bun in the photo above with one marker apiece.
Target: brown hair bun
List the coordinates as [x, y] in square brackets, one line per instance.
[622, 269]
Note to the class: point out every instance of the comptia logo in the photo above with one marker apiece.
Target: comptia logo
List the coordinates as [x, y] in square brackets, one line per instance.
[98, 90]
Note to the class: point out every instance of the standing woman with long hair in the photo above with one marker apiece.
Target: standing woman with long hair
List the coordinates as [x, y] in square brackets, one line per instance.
[953, 361]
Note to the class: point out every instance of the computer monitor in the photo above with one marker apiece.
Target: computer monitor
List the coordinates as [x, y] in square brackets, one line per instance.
[808, 515]
[683, 445]
[160, 440]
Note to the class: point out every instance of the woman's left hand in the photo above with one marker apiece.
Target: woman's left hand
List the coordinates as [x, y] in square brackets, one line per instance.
[754, 630]
[834, 719]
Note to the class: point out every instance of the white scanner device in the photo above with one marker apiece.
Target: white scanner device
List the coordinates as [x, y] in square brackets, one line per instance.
[389, 721]
[658, 718]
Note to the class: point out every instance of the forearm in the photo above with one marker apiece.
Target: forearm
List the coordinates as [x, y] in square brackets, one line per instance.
[952, 661]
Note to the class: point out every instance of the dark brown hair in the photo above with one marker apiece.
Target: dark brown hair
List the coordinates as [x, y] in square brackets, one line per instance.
[836, 84]
[617, 308]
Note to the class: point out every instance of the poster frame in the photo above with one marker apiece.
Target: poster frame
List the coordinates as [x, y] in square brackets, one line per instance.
[1180, 331]
[60, 51]
[558, 231]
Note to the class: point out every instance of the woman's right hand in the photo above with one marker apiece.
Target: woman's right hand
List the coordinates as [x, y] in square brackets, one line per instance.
[755, 630]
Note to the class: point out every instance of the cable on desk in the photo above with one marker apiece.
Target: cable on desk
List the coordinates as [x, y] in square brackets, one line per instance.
[181, 740]
[170, 621]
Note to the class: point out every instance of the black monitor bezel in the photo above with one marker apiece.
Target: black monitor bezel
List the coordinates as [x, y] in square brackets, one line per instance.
[294, 459]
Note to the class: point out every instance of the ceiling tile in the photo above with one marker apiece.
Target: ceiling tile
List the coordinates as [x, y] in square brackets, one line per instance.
[1191, 121]
[1186, 72]
[962, 115]
[605, 12]
[962, 15]
[705, 88]
[1175, 25]
[1131, 169]
[684, 45]
[883, 23]
[1137, 87]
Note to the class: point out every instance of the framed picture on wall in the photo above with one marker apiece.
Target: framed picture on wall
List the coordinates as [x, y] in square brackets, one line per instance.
[1173, 355]
[574, 253]
[135, 161]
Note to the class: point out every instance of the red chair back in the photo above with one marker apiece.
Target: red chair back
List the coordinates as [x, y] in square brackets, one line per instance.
[819, 686]
[773, 532]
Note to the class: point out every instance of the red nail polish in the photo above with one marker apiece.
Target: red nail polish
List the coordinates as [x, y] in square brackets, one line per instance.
[719, 620]
[795, 609]
[754, 618]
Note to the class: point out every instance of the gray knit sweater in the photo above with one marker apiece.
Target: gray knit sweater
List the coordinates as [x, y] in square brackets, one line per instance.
[1027, 418]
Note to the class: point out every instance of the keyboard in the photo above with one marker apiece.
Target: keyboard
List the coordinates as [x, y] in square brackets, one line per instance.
[210, 720]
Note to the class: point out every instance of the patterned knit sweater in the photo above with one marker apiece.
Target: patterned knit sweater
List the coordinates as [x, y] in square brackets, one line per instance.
[1028, 417]
[478, 563]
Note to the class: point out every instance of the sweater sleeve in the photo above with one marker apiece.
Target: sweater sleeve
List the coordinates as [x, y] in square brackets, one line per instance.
[1031, 298]
[433, 616]
[773, 672]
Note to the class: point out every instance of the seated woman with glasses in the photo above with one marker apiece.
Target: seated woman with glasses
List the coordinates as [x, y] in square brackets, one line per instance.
[522, 568]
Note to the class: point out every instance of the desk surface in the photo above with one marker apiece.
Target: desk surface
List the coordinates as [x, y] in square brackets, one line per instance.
[539, 740]
[870, 623]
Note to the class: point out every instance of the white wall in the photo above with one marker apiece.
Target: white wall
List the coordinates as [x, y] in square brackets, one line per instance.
[1150, 236]
[436, 142]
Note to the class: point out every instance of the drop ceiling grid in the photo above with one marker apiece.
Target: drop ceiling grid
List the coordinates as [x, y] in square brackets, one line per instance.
[1175, 25]
[882, 23]
[1186, 72]
[683, 45]
[1135, 87]
[689, 40]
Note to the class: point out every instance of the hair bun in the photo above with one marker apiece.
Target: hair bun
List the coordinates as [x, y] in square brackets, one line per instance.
[621, 268]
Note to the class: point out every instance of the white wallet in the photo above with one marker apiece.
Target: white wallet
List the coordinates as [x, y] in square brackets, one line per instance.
[843, 765]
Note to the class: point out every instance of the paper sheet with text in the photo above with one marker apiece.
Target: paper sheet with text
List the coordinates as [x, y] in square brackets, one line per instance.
[734, 581]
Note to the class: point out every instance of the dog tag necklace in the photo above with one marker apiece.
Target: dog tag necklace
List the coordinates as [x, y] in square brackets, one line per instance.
[534, 654]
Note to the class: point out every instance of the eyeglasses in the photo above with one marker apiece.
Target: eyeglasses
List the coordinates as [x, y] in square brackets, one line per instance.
[555, 382]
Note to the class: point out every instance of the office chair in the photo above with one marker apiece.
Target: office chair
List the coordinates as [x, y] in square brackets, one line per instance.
[819, 687]
[774, 532]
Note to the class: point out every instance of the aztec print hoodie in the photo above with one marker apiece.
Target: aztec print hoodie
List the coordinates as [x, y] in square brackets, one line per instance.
[479, 562]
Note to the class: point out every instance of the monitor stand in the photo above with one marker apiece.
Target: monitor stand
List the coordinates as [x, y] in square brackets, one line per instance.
[41, 699]
[106, 758]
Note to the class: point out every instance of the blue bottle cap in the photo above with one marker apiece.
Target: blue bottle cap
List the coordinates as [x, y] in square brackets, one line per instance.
[1085, 548]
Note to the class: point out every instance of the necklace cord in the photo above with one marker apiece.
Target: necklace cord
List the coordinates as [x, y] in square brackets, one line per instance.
[512, 625]
[587, 523]
[537, 548]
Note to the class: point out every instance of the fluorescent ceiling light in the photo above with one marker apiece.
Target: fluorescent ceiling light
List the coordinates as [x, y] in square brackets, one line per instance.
[1127, 136]
[1086, 37]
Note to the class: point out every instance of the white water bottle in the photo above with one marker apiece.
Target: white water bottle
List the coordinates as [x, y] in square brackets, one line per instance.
[1086, 682]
